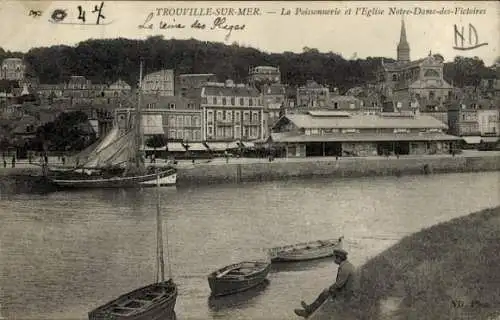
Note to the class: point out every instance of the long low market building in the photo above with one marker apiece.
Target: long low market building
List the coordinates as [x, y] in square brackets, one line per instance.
[336, 133]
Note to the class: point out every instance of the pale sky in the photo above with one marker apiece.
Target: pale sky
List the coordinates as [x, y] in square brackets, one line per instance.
[349, 35]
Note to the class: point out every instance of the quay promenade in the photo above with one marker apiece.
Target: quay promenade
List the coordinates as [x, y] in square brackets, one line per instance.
[237, 170]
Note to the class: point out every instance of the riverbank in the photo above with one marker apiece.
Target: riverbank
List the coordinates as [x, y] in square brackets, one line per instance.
[448, 271]
[238, 171]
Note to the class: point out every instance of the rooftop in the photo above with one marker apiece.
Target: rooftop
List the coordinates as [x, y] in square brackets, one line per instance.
[362, 121]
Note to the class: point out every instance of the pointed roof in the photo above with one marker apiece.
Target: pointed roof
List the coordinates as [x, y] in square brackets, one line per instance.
[402, 37]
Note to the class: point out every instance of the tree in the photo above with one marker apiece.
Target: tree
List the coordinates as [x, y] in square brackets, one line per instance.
[156, 141]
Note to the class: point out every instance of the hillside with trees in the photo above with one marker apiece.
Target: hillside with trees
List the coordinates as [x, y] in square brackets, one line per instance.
[105, 61]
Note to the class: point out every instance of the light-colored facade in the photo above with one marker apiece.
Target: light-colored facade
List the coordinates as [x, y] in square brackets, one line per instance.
[160, 82]
[175, 118]
[313, 95]
[231, 112]
[488, 122]
[12, 69]
[337, 133]
[264, 75]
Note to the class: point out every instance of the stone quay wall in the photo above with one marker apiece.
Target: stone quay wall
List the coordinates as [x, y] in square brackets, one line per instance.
[354, 167]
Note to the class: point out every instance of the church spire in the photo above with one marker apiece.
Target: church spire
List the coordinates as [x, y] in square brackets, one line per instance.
[403, 46]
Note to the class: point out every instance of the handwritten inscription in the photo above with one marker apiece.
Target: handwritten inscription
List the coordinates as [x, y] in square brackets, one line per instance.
[59, 15]
[35, 13]
[219, 23]
[473, 38]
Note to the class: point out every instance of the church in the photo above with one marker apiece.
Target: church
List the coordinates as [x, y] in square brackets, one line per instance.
[406, 83]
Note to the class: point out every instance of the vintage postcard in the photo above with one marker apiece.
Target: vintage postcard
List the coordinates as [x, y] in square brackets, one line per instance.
[249, 160]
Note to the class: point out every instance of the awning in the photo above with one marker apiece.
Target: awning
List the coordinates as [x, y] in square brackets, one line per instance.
[217, 146]
[248, 144]
[489, 139]
[232, 145]
[196, 146]
[472, 139]
[175, 147]
[147, 148]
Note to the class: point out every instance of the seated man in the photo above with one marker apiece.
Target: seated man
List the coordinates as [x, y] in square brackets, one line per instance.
[342, 288]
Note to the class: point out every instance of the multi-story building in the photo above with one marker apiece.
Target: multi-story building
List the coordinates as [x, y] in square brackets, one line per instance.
[12, 69]
[313, 95]
[274, 100]
[231, 112]
[339, 133]
[117, 89]
[420, 78]
[188, 82]
[176, 118]
[488, 122]
[264, 75]
[462, 121]
[159, 82]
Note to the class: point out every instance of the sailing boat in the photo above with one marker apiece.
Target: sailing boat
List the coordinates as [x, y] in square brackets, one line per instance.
[116, 161]
[155, 301]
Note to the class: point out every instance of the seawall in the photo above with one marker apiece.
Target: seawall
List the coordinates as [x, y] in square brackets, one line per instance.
[352, 167]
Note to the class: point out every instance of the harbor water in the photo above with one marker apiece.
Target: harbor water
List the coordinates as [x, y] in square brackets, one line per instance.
[64, 253]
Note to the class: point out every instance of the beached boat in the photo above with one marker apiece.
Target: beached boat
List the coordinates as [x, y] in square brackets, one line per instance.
[305, 250]
[116, 161]
[238, 277]
[152, 302]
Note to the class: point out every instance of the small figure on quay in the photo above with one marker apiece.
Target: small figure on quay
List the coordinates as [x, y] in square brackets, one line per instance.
[63, 160]
[13, 161]
[4, 163]
[342, 290]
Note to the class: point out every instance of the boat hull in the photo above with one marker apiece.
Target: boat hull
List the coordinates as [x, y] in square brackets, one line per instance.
[226, 286]
[166, 178]
[161, 309]
[309, 251]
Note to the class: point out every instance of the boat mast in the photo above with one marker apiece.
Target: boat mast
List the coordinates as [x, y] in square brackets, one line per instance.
[159, 238]
[138, 126]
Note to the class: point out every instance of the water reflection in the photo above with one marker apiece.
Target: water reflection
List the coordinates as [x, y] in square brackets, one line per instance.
[238, 300]
[301, 265]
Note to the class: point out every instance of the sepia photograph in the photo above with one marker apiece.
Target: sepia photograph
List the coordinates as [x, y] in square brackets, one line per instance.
[249, 160]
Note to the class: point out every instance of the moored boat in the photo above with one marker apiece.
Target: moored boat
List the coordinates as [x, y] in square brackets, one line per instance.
[115, 161]
[305, 250]
[155, 301]
[238, 277]
[152, 302]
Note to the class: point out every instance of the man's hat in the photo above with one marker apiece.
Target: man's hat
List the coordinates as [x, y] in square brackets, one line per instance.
[340, 253]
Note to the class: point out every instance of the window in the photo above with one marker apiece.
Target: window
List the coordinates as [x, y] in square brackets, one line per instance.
[210, 131]
[171, 106]
[232, 101]
[224, 101]
[171, 121]
[237, 117]
[246, 116]
[214, 99]
[187, 121]
[210, 117]
[431, 73]
[394, 77]
[255, 117]
[220, 132]
[219, 115]
[237, 132]
[242, 101]
[171, 134]
[336, 105]
[180, 134]
[229, 116]
[250, 102]
[228, 132]
[196, 120]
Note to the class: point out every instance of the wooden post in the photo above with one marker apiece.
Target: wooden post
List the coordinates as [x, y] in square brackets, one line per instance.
[323, 145]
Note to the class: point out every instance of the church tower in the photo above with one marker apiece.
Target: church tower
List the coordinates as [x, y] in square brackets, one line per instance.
[403, 46]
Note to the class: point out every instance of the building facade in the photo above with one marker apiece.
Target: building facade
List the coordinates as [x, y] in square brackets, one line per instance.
[160, 82]
[274, 100]
[313, 95]
[264, 75]
[12, 69]
[406, 79]
[231, 112]
[337, 133]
